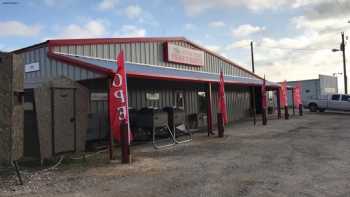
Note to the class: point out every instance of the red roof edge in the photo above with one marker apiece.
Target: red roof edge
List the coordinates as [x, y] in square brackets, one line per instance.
[87, 41]
[75, 62]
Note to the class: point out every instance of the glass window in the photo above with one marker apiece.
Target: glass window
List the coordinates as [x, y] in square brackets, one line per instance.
[179, 98]
[202, 102]
[345, 97]
[335, 97]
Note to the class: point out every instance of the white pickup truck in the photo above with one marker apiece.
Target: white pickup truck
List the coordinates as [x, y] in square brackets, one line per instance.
[332, 102]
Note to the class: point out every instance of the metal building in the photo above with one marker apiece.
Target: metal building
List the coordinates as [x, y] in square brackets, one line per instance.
[167, 71]
[314, 88]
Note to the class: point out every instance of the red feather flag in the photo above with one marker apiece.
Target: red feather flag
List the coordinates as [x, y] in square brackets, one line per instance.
[297, 95]
[263, 94]
[283, 94]
[222, 98]
[118, 100]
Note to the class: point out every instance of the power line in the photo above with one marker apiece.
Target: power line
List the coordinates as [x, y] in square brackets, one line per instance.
[293, 49]
[286, 48]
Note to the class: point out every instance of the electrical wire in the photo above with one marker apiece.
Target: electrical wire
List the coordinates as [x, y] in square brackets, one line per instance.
[293, 49]
[311, 50]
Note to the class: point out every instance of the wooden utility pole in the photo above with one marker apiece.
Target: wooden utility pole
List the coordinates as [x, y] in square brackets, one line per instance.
[252, 53]
[253, 88]
[342, 48]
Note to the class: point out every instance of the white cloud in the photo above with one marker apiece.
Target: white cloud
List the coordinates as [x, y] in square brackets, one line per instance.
[194, 7]
[16, 28]
[93, 28]
[131, 31]
[238, 44]
[246, 30]
[107, 4]
[216, 24]
[214, 48]
[133, 11]
[331, 23]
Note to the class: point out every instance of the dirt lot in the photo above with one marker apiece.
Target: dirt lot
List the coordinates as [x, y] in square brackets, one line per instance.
[307, 156]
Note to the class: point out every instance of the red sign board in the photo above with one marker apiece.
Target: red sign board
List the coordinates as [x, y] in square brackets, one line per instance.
[178, 54]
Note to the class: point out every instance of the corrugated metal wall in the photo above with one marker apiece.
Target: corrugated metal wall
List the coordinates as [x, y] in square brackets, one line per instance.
[151, 53]
[328, 84]
[237, 101]
[137, 89]
[50, 68]
[237, 98]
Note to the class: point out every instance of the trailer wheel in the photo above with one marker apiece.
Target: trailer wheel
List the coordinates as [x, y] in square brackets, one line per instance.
[313, 107]
[322, 110]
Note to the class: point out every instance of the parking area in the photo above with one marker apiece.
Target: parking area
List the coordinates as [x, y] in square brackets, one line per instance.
[303, 156]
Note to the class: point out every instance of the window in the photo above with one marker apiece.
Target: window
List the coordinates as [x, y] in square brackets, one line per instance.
[345, 97]
[335, 97]
[179, 99]
[307, 91]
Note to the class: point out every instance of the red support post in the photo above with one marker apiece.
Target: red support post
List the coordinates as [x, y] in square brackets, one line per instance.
[209, 112]
[221, 127]
[301, 109]
[286, 113]
[279, 113]
[110, 141]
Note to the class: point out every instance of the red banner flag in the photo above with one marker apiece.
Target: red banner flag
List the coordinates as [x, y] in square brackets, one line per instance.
[283, 94]
[222, 98]
[297, 95]
[263, 95]
[118, 100]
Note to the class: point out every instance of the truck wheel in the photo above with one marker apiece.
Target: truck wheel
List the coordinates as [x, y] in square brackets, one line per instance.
[313, 108]
[322, 110]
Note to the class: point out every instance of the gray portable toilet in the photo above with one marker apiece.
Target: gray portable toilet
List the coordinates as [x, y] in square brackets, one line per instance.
[11, 108]
[61, 110]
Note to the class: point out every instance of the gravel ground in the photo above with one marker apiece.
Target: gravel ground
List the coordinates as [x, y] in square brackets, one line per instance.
[307, 156]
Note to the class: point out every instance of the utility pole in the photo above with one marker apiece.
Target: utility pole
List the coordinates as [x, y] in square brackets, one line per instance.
[253, 88]
[342, 48]
[252, 52]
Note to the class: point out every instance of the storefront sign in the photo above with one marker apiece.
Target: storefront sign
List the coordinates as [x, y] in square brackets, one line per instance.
[32, 67]
[99, 96]
[178, 54]
[152, 96]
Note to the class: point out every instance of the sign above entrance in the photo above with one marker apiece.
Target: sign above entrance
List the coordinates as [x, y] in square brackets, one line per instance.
[178, 54]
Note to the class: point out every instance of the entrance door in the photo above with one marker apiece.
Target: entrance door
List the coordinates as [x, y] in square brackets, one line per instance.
[202, 109]
[63, 120]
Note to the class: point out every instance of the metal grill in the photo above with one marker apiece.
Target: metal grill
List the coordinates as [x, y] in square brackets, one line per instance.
[177, 123]
[155, 120]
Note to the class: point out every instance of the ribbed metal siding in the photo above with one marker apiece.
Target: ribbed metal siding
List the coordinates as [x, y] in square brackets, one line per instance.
[151, 53]
[237, 103]
[50, 68]
[138, 88]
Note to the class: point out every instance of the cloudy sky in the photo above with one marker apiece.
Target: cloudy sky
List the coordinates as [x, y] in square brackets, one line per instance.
[293, 38]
